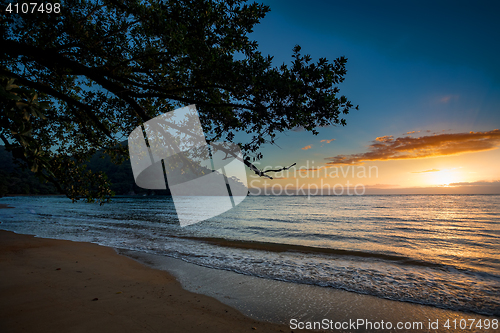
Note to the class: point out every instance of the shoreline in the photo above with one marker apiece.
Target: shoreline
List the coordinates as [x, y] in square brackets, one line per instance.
[279, 301]
[58, 285]
[52, 285]
[256, 299]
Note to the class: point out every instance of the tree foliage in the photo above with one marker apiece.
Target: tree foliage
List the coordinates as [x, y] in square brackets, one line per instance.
[79, 81]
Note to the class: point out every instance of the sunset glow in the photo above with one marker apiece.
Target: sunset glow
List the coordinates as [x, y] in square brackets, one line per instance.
[428, 116]
[444, 177]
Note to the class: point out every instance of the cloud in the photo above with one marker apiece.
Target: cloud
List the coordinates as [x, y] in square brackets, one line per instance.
[327, 141]
[447, 98]
[381, 186]
[412, 132]
[309, 170]
[479, 187]
[306, 147]
[495, 183]
[386, 138]
[431, 170]
[387, 148]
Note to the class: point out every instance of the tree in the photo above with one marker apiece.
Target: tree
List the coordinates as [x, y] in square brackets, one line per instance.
[80, 80]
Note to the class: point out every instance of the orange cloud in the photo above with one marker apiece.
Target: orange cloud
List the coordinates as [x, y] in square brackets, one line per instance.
[382, 186]
[309, 170]
[478, 183]
[431, 170]
[387, 148]
[327, 141]
[307, 147]
[479, 187]
[412, 132]
[386, 138]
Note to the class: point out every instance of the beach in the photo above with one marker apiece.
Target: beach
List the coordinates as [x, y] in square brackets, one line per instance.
[64, 286]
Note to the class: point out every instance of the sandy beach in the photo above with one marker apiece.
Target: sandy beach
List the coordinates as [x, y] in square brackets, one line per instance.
[63, 286]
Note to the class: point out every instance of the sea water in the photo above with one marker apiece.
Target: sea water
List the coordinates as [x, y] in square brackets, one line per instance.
[438, 250]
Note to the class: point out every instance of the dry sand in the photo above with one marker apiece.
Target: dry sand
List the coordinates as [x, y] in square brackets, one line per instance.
[62, 286]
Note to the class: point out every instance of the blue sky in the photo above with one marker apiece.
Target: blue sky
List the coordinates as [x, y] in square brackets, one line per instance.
[412, 66]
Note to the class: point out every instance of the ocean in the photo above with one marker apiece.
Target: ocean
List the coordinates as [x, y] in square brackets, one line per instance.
[437, 250]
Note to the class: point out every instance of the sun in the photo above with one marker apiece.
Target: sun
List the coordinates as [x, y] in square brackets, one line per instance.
[445, 177]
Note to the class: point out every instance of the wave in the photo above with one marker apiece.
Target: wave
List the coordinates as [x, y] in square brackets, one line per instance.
[280, 247]
[442, 287]
[304, 249]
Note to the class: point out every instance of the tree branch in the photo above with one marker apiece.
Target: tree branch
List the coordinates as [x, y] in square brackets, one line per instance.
[53, 60]
[52, 92]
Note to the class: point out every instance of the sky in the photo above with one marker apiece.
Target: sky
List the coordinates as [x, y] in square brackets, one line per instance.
[426, 77]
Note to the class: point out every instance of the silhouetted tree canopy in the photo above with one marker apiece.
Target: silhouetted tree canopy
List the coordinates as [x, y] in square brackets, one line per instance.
[81, 80]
